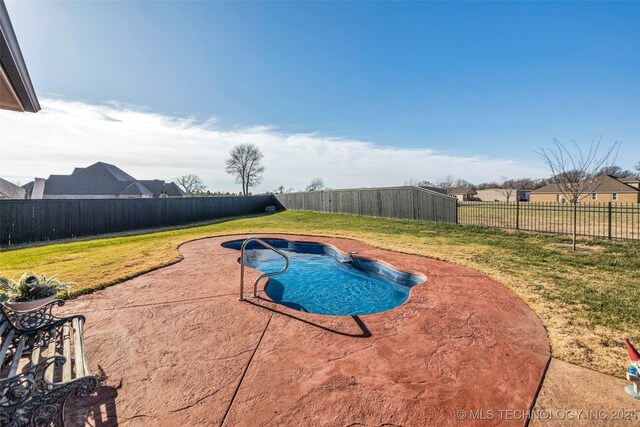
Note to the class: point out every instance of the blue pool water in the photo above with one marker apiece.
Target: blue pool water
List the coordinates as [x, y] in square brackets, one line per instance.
[317, 282]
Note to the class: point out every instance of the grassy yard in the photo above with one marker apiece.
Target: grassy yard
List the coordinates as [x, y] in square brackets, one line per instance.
[587, 300]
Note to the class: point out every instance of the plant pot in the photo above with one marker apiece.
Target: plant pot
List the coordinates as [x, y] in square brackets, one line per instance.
[28, 305]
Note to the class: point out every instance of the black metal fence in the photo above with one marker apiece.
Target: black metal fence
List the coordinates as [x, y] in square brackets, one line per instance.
[619, 221]
[27, 221]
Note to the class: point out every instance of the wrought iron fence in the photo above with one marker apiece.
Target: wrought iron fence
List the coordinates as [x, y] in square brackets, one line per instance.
[620, 221]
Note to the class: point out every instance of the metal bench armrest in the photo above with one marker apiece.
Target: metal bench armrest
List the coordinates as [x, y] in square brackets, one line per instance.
[38, 319]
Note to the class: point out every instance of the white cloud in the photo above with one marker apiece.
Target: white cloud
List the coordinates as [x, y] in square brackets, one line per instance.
[66, 134]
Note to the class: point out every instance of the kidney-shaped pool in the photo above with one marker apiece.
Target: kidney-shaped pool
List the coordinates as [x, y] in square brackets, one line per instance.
[324, 281]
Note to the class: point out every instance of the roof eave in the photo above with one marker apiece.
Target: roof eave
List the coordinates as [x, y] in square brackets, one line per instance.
[14, 65]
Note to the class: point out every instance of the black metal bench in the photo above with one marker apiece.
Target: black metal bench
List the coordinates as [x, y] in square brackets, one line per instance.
[43, 362]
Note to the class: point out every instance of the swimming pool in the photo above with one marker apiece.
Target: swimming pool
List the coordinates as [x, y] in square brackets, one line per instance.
[317, 282]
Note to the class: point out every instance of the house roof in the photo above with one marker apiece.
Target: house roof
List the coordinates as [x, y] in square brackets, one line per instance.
[173, 190]
[462, 190]
[602, 184]
[8, 190]
[107, 180]
[156, 186]
[136, 189]
[436, 189]
[628, 180]
[16, 89]
[99, 178]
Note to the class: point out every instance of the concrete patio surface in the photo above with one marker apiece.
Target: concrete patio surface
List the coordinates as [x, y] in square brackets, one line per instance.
[175, 347]
[575, 396]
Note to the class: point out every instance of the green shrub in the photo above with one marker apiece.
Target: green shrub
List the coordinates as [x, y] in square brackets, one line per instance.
[31, 287]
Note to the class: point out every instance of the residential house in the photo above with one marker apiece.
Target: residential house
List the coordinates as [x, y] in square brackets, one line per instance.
[603, 189]
[463, 194]
[102, 181]
[633, 182]
[501, 195]
[8, 190]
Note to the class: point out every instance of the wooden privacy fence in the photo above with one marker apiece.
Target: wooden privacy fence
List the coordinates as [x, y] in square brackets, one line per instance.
[395, 202]
[604, 220]
[25, 221]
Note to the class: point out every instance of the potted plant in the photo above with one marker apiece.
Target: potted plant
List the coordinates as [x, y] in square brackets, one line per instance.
[30, 291]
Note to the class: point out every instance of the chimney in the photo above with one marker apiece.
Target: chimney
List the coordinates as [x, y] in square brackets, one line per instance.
[38, 188]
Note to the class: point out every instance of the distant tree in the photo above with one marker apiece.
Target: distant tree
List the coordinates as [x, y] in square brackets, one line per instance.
[418, 183]
[617, 171]
[245, 164]
[529, 183]
[317, 184]
[486, 185]
[638, 167]
[446, 182]
[279, 190]
[507, 188]
[575, 171]
[191, 184]
[425, 184]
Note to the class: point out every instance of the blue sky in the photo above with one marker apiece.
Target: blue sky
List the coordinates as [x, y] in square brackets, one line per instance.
[492, 81]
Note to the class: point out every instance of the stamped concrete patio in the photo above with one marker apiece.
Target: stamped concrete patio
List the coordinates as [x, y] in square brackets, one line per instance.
[175, 347]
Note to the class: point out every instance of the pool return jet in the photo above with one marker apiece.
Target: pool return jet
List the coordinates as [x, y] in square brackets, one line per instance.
[262, 276]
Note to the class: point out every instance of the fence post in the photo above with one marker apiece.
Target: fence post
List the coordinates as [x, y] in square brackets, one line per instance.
[517, 213]
[609, 220]
[457, 208]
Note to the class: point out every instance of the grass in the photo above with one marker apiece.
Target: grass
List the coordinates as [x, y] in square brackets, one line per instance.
[588, 300]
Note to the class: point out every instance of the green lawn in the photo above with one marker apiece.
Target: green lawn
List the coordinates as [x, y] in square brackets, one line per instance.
[587, 300]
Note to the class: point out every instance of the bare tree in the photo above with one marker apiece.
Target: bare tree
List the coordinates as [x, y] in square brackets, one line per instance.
[617, 172]
[446, 182]
[574, 172]
[507, 188]
[317, 184]
[191, 184]
[638, 167]
[245, 164]
[421, 184]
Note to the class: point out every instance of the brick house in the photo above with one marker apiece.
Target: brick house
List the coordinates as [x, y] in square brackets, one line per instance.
[603, 189]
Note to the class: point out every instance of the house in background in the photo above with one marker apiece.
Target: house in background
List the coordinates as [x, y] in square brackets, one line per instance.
[605, 188]
[632, 182]
[8, 190]
[500, 195]
[463, 194]
[100, 181]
